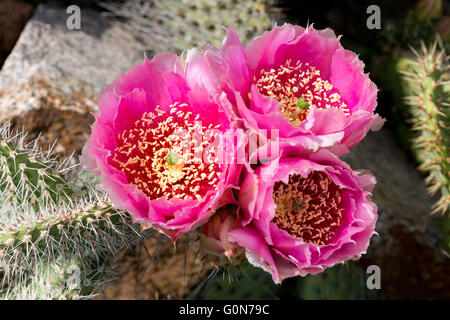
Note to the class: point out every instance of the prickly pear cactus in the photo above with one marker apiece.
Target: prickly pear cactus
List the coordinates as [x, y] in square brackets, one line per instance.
[51, 230]
[429, 87]
[180, 24]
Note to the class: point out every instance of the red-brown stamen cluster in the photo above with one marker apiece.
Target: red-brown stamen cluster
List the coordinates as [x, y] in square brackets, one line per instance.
[309, 208]
[156, 154]
[291, 82]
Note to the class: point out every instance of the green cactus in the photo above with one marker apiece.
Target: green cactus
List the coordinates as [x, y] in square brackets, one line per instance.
[26, 180]
[89, 239]
[93, 234]
[176, 25]
[339, 282]
[59, 279]
[253, 283]
[429, 100]
[51, 219]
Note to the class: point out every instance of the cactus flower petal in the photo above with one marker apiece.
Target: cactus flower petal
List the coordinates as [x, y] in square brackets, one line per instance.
[214, 239]
[310, 211]
[266, 80]
[138, 143]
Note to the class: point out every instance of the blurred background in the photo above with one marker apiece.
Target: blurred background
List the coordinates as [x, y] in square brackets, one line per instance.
[52, 71]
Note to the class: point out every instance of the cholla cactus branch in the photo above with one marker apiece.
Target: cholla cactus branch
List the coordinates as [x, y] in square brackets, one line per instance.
[24, 178]
[90, 235]
[51, 222]
[428, 83]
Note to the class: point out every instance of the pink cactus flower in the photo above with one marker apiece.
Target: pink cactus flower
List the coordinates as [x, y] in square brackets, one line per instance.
[214, 237]
[156, 144]
[300, 81]
[304, 212]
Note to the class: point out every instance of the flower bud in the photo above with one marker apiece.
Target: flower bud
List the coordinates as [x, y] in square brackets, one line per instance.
[214, 238]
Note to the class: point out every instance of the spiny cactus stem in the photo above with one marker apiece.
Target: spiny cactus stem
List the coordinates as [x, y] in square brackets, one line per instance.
[24, 178]
[37, 232]
[428, 84]
[51, 220]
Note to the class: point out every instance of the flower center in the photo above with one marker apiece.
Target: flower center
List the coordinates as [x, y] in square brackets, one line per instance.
[298, 86]
[155, 154]
[309, 208]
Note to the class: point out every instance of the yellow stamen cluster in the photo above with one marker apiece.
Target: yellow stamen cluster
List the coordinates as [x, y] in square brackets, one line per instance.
[309, 208]
[146, 153]
[291, 82]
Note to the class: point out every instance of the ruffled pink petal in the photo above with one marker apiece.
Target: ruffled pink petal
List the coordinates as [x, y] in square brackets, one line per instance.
[229, 64]
[150, 75]
[312, 47]
[107, 104]
[161, 82]
[290, 256]
[262, 51]
[347, 75]
[328, 128]
[131, 108]
[257, 251]
[270, 118]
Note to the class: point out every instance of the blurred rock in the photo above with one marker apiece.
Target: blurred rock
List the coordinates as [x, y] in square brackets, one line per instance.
[53, 75]
[443, 28]
[409, 247]
[428, 9]
[13, 16]
[400, 192]
[64, 118]
[94, 54]
[49, 86]
[155, 269]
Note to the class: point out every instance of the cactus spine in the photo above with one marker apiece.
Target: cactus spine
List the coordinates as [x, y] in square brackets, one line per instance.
[56, 242]
[429, 86]
[26, 180]
[84, 240]
[175, 25]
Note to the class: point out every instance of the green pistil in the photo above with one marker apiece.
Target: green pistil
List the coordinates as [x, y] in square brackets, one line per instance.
[172, 158]
[302, 104]
[297, 205]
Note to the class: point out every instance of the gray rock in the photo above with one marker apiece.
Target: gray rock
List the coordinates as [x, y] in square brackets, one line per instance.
[400, 192]
[409, 249]
[84, 60]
